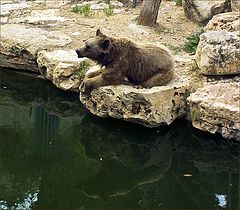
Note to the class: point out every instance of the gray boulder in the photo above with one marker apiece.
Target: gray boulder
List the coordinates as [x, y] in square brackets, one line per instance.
[218, 53]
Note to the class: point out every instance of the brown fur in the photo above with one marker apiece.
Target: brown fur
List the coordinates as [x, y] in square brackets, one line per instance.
[145, 65]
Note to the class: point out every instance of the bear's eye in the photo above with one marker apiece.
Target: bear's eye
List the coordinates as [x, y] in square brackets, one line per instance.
[88, 47]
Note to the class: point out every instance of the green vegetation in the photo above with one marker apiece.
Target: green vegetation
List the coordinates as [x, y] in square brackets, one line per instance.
[108, 11]
[84, 65]
[178, 2]
[195, 114]
[192, 43]
[85, 10]
[82, 69]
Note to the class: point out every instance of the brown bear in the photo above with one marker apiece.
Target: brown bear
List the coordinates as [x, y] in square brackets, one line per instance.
[124, 61]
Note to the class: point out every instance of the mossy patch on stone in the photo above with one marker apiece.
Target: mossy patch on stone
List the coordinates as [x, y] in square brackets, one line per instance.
[83, 68]
[195, 115]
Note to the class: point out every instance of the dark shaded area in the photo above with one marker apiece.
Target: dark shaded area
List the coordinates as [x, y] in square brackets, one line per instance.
[54, 155]
[26, 89]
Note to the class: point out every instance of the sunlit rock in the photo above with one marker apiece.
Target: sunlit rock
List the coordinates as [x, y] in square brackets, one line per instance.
[98, 5]
[218, 53]
[53, 3]
[202, 11]
[63, 67]
[8, 7]
[20, 44]
[226, 21]
[215, 108]
[40, 17]
[3, 20]
[150, 107]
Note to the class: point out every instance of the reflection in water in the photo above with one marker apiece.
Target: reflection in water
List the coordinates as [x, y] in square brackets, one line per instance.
[46, 128]
[54, 155]
[222, 200]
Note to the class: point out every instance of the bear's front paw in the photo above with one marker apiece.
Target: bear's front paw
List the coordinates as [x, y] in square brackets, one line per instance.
[87, 88]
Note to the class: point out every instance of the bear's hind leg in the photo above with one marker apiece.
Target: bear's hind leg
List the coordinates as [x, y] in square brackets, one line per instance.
[158, 79]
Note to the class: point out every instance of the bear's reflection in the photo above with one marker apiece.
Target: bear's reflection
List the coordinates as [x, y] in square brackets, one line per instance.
[129, 158]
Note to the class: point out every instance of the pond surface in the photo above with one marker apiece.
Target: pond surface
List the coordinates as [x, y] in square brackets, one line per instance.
[55, 155]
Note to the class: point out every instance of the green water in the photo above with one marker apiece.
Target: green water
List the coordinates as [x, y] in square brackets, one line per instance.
[55, 155]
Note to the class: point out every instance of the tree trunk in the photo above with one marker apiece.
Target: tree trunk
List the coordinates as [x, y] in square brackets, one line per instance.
[149, 12]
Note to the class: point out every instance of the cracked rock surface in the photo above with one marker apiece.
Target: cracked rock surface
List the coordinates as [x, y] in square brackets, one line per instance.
[216, 108]
[218, 53]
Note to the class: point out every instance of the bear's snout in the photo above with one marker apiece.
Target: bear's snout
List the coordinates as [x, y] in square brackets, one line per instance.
[79, 53]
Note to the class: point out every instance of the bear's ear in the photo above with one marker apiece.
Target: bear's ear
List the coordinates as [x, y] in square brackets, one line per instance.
[99, 33]
[105, 44]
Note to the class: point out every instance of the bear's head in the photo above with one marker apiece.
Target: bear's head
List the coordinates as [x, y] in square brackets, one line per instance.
[96, 48]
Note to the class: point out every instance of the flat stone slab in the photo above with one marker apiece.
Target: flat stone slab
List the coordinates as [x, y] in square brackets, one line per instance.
[63, 68]
[216, 108]
[40, 17]
[149, 107]
[53, 3]
[7, 8]
[100, 5]
[20, 44]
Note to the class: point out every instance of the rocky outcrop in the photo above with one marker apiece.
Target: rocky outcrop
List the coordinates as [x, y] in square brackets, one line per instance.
[20, 44]
[218, 53]
[202, 11]
[63, 68]
[226, 21]
[149, 107]
[215, 108]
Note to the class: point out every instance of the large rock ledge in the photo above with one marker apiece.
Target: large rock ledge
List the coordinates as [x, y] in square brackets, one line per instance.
[148, 107]
[20, 44]
[216, 108]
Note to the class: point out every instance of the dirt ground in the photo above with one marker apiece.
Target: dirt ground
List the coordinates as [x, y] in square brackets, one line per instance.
[172, 30]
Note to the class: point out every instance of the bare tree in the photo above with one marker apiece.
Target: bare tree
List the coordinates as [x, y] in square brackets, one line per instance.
[149, 12]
